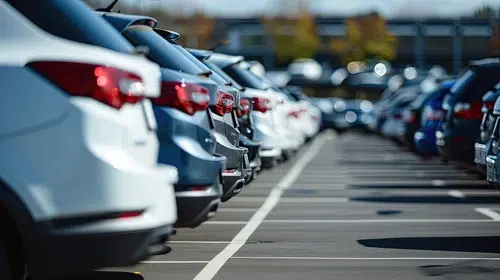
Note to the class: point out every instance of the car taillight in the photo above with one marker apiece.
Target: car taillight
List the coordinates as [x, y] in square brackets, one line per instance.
[132, 214]
[225, 102]
[186, 97]
[409, 116]
[244, 108]
[261, 104]
[489, 104]
[397, 116]
[105, 84]
[468, 110]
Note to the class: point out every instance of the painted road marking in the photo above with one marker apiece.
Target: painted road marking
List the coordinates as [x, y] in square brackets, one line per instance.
[456, 193]
[211, 269]
[489, 213]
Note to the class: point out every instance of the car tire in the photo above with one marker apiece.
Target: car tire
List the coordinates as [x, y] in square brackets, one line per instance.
[12, 261]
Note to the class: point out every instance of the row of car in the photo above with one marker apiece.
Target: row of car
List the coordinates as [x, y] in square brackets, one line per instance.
[114, 135]
[456, 118]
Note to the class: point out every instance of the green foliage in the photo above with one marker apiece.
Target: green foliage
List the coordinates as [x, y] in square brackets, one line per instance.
[367, 37]
[293, 38]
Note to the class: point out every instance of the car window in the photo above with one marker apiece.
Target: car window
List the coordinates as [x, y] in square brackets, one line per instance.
[72, 20]
[223, 74]
[160, 50]
[244, 77]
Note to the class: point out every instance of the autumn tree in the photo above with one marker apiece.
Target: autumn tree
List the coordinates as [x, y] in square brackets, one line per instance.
[367, 37]
[495, 40]
[484, 12]
[293, 37]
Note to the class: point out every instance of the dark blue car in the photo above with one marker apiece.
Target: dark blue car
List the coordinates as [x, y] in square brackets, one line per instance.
[462, 116]
[425, 137]
[483, 141]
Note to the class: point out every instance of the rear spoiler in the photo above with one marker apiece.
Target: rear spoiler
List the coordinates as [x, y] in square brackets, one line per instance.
[168, 34]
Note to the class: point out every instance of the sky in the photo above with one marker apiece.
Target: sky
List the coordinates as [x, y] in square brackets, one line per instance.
[248, 8]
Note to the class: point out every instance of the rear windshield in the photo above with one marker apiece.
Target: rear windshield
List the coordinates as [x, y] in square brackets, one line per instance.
[72, 20]
[245, 77]
[160, 50]
[223, 74]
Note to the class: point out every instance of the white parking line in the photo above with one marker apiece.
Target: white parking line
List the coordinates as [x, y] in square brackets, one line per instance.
[456, 194]
[211, 269]
[364, 259]
[438, 183]
[488, 212]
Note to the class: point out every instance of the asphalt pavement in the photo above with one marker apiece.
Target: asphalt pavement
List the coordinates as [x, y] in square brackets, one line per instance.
[353, 206]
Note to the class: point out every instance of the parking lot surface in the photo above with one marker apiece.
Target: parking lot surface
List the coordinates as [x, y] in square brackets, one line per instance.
[353, 206]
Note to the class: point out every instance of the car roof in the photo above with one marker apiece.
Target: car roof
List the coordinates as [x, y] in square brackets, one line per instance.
[123, 21]
[225, 60]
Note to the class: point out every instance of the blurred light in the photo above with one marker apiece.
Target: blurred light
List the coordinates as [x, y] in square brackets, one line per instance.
[410, 73]
[380, 69]
[366, 106]
[338, 76]
[309, 68]
[339, 106]
[325, 106]
[351, 117]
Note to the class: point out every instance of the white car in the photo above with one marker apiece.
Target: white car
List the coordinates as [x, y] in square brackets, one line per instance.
[80, 185]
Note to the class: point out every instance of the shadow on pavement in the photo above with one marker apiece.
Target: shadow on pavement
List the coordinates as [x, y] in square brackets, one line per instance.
[475, 267]
[477, 244]
[430, 199]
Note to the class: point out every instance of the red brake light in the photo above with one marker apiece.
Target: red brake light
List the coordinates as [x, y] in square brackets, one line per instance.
[490, 104]
[225, 102]
[468, 110]
[186, 97]
[132, 214]
[261, 104]
[244, 108]
[108, 85]
[409, 116]
[397, 116]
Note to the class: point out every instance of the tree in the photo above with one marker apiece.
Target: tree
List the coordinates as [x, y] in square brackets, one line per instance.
[367, 37]
[484, 12]
[293, 37]
[495, 40]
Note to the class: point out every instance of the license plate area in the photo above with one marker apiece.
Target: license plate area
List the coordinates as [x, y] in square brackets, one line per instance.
[480, 154]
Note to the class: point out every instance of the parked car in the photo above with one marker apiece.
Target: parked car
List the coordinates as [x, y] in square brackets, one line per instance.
[80, 185]
[412, 114]
[271, 148]
[425, 137]
[243, 114]
[185, 130]
[393, 125]
[493, 151]
[460, 125]
[483, 142]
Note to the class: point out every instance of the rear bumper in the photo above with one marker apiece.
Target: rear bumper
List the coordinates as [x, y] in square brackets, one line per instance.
[233, 181]
[193, 211]
[56, 253]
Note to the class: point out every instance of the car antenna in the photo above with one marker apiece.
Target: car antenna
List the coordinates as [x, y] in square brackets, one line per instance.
[108, 8]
